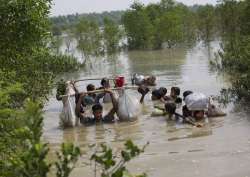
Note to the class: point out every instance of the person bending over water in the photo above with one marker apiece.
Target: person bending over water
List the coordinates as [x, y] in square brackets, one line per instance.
[212, 110]
[174, 95]
[159, 94]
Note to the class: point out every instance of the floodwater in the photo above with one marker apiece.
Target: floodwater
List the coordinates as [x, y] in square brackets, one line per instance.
[221, 148]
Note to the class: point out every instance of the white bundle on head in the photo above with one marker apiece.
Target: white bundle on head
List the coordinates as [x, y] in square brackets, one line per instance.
[197, 101]
[129, 107]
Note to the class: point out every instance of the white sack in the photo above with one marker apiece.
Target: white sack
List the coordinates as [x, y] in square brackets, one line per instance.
[107, 98]
[129, 107]
[138, 79]
[196, 101]
[68, 117]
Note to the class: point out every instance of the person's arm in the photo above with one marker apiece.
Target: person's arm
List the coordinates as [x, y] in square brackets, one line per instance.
[84, 119]
[77, 95]
[98, 97]
[110, 115]
[79, 104]
[74, 87]
[143, 91]
[162, 100]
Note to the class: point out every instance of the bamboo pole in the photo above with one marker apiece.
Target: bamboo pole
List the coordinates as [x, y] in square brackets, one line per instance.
[92, 79]
[103, 90]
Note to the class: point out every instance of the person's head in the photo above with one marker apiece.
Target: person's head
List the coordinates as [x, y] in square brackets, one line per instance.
[175, 91]
[155, 95]
[186, 93]
[90, 87]
[158, 93]
[151, 80]
[178, 100]
[97, 110]
[199, 114]
[163, 91]
[105, 82]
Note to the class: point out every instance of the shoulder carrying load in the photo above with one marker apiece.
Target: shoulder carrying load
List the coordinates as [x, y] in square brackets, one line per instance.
[197, 101]
[129, 107]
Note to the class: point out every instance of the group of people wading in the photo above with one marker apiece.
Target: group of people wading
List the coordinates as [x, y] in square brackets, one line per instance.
[197, 106]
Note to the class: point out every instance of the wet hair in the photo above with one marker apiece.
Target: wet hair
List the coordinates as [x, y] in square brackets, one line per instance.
[97, 107]
[186, 93]
[176, 90]
[178, 100]
[170, 107]
[156, 94]
[104, 81]
[163, 91]
[159, 93]
[90, 87]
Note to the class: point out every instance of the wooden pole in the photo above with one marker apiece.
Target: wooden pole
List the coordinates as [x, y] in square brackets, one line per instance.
[92, 79]
[103, 90]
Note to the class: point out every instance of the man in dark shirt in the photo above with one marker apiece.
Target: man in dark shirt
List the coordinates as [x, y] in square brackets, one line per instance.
[97, 111]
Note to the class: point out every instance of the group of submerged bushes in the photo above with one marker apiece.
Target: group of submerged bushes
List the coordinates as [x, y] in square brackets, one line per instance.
[147, 27]
[234, 56]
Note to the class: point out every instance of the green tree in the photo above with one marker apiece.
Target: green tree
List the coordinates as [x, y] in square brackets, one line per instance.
[24, 26]
[151, 26]
[113, 166]
[138, 27]
[88, 38]
[235, 52]
[25, 75]
[55, 44]
[112, 35]
[24, 36]
[169, 29]
[206, 22]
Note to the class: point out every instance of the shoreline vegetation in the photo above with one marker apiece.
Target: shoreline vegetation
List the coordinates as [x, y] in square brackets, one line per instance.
[31, 58]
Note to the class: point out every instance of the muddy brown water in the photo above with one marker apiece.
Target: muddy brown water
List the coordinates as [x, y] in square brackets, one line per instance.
[221, 148]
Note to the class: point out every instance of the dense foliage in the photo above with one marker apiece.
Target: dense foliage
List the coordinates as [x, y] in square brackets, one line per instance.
[88, 37]
[27, 72]
[113, 165]
[155, 25]
[235, 54]
[111, 35]
[63, 22]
